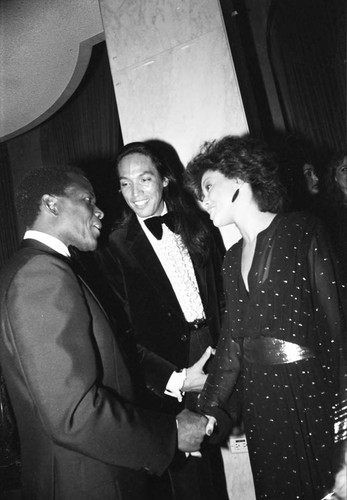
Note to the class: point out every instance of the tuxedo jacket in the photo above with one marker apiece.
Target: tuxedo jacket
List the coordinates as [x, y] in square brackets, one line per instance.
[138, 278]
[70, 386]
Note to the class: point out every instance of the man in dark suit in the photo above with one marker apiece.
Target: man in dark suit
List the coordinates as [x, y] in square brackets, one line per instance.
[168, 278]
[81, 435]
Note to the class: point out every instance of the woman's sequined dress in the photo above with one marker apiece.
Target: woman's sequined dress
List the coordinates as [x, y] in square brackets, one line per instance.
[294, 295]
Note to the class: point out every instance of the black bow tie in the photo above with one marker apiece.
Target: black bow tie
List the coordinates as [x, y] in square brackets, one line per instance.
[154, 224]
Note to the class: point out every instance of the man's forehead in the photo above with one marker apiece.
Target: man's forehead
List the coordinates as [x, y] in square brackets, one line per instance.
[80, 182]
[136, 163]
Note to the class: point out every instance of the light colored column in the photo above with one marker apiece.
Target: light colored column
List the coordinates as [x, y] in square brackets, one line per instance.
[175, 80]
[173, 72]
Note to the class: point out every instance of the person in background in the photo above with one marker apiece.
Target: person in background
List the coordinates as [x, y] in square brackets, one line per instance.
[299, 168]
[162, 262]
[282, 338]
[82, 437]
[311, 177]
[334, 204]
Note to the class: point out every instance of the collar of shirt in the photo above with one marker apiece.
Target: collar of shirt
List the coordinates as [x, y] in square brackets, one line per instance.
[48, 240]
[147, 232]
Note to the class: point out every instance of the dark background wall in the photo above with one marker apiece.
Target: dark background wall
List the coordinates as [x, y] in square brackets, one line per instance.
[290, 58]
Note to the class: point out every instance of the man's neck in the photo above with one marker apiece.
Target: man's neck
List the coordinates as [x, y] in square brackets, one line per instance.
[48, 240]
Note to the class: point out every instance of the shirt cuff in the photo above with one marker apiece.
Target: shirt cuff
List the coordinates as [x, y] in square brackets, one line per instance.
[175, 384]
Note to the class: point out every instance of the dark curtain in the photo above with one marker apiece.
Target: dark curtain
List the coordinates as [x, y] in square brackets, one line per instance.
[86, 132]
[307, 49]
[8, 221]
[248, 69]
[9, 444]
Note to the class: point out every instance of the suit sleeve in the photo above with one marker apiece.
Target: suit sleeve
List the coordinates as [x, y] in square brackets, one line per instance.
[155, 369]
[52, 341]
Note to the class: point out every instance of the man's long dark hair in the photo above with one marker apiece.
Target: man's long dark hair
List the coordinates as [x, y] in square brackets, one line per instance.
[191, 223]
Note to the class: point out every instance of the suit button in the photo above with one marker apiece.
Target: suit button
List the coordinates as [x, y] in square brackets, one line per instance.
[184, 338]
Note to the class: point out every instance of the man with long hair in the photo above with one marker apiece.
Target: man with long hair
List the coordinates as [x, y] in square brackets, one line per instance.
[162, 260]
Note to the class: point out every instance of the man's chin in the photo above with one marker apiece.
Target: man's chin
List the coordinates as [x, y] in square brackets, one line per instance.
[88, 247]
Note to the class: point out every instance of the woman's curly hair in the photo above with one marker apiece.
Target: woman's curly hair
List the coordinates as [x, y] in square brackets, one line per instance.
[244, 158]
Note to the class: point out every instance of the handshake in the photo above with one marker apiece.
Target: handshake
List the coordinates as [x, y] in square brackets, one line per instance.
[191, 430]
[193, 427]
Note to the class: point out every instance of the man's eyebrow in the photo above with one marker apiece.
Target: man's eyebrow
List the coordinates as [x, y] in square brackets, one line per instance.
[145, 172]
[90, 193]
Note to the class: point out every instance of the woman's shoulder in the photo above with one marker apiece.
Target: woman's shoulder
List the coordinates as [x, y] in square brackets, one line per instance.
[294, 227]
[300, 220]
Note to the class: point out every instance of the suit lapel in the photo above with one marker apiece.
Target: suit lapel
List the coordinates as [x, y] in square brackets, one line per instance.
[37, 245]
[141, 249]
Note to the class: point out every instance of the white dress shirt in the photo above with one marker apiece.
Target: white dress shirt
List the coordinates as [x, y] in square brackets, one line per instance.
[47, 239]
[177, 264]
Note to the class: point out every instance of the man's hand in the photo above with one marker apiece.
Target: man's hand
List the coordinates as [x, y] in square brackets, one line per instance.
[191, 428]
[196, 377]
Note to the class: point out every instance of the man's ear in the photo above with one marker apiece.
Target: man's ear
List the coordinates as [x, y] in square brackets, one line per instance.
[165, 181]
[49, 203]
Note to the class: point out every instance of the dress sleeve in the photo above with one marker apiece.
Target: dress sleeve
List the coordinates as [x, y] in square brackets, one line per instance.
[218, 397]
[330, 299]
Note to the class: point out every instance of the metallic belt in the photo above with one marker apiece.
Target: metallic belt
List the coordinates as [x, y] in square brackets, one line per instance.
[271, 351]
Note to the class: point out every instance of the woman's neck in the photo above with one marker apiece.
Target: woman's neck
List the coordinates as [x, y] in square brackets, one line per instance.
[253, 223]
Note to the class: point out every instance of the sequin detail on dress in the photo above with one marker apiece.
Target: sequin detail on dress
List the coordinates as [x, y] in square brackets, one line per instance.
[294, 295]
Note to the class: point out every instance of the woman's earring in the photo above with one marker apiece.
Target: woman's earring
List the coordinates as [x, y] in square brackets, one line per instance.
[235, 195]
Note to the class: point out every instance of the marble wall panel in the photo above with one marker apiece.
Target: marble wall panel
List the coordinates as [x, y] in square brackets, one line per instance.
[185, 95]
[139, 29]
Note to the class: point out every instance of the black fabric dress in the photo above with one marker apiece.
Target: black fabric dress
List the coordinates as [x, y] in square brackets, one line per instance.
[335, 218]
[294, 295]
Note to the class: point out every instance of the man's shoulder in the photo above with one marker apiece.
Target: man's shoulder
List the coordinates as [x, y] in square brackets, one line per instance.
[125, 231]
[24, 261]
[119, 233]
[117, 240]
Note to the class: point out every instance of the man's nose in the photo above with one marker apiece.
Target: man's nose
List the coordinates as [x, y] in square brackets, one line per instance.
[99, 213]
[137, 189]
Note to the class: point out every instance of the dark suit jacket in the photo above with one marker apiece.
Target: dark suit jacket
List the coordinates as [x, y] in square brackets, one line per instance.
[70, 386]
[137, 276]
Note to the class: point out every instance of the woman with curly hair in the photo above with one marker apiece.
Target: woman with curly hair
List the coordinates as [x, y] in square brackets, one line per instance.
[280, 346]
[335, 204]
